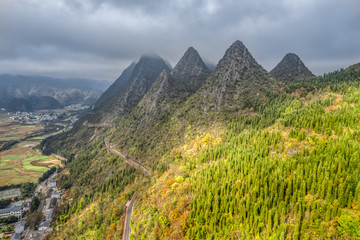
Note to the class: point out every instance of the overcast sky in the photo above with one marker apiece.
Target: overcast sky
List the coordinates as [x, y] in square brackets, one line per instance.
[99, 38]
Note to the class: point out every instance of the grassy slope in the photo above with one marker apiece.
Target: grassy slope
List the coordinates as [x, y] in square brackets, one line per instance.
[289, 170]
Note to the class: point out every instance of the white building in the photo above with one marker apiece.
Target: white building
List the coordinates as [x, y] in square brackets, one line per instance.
[12, 211]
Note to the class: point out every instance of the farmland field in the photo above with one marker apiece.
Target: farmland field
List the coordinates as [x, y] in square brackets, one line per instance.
[22, 163]
[11, 130]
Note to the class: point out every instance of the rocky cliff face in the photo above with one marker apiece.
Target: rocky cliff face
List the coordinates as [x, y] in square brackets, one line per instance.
[157, 99]
[291, 68]
[237, 81]
[190, 71]
[124, 99]
[172, 88]
[116, 86]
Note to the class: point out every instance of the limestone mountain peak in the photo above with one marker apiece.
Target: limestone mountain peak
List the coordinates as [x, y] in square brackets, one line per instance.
[237, 55]
[290, 68]
[139, 80]
[237, 80]
[190, 71]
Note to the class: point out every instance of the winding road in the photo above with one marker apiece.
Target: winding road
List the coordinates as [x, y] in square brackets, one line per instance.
[129, 205]
[128, 161]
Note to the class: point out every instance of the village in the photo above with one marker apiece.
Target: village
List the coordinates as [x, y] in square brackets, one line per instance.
[69, 113]
[33, 118]
[19, 210]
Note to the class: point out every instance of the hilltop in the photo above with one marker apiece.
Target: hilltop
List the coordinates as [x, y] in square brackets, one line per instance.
[291, 68]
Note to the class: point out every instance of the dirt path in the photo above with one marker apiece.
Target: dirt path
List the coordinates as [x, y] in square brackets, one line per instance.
[58, 157]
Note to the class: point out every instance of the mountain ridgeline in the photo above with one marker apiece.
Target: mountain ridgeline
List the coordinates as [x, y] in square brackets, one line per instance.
[237, 82]
[172, 88]
[149, 123]
[129, 88]
[28, 93]
[232, 153]
[115, 87]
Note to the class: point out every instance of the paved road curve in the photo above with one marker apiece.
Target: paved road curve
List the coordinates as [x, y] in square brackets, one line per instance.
[129, 161]
[129, 208]
[129, 204]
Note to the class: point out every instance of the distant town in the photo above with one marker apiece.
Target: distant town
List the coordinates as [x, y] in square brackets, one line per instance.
[69, 113]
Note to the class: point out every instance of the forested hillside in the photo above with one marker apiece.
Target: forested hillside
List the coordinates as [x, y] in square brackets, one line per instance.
[285, 165]
[290, 170]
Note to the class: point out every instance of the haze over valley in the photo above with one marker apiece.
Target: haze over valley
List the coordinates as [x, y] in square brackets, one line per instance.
[179, 119]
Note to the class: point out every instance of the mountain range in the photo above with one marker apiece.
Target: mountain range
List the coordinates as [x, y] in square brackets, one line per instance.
[230, 153]
[27, 93]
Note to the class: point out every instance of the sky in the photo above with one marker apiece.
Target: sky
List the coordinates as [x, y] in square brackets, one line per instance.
[99, 38]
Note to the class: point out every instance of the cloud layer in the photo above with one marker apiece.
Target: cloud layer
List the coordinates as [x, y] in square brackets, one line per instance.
[99, 38]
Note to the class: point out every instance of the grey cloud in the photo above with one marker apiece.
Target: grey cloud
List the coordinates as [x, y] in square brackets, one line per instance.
[99, 38]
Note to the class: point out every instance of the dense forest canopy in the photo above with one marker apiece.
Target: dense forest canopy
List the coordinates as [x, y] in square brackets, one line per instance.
[287, 168]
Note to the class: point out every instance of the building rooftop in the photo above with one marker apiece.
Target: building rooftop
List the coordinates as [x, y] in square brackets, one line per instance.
[10, 209]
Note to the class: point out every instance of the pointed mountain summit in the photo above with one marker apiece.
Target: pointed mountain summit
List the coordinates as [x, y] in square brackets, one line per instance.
[170, 90]
[238, 81]
[144, 74]
[130, 89]
[176, 86]
[116, 86]
[190, 71]
[290, 68]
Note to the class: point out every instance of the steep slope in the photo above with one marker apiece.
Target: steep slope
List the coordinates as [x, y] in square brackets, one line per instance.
[288, 171]
[237, 82]
[128, 91]
[286, 167]
[116, 86]
[291, 68]
[190, 72]
[151, 116]
[143, 75]
[158, 96]
[172, 88]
